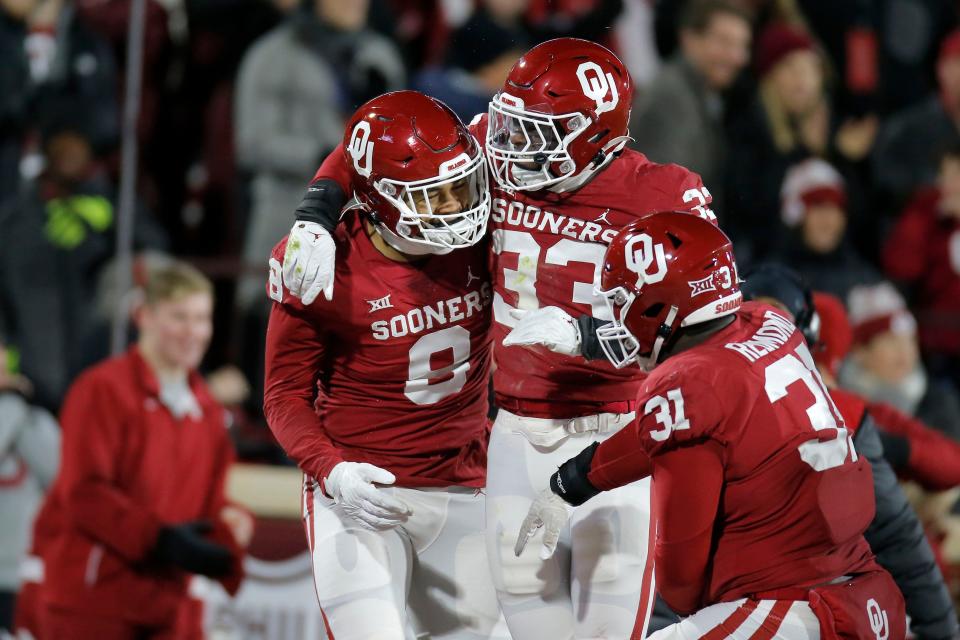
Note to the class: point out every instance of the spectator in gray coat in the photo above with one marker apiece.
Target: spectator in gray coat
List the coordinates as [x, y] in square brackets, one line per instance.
[295, 86]
[679, 118]
[29, 457]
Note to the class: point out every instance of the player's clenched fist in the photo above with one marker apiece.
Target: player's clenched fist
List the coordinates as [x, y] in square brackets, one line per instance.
[550, 512]
[308, 262]
[352, 485]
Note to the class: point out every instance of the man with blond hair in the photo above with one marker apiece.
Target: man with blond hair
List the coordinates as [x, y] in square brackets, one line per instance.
[139, 502]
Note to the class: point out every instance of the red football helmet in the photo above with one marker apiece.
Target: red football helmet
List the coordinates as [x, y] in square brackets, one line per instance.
[418, 172]
[561, 116]
[662, 272]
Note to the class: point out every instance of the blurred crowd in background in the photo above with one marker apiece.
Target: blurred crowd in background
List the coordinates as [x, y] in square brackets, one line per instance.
[828, 133]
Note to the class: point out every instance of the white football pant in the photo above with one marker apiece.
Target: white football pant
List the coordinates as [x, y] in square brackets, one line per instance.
[599, 583]
[747, 620]
[425, 579]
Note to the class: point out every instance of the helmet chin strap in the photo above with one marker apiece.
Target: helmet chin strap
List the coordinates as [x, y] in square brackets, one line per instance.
[610, 151]
[409, 247]
[661, 338]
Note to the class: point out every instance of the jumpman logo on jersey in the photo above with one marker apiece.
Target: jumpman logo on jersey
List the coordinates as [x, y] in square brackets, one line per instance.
[470, 276]
[380, 303]
[603, 217]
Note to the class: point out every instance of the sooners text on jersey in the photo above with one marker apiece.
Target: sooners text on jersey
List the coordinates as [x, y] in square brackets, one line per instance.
[406, 359]
[548, 250]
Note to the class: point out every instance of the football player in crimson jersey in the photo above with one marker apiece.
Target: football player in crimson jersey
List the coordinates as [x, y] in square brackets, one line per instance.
[896, 536]
[760, 497]
[564, 184]
[380, 395]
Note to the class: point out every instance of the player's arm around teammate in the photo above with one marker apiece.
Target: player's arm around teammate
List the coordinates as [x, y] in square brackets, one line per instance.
[379, 394]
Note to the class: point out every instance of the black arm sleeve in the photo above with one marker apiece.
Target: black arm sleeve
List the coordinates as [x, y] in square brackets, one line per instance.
[322, 204]
[590, 347]
[897, 539]
[570, 481]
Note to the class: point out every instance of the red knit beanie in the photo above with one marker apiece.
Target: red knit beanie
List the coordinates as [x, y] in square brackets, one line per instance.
[776, 42]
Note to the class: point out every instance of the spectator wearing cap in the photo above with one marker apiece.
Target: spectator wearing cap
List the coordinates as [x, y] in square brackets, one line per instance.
[923, 253]
[884, 364]
[679, 117]
[14, 90]
[479, 57]
[790, 120]
[814, 213]
[910, 142]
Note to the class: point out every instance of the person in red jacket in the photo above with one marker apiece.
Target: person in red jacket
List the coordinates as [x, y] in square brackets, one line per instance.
[139, 503]
[923, 251]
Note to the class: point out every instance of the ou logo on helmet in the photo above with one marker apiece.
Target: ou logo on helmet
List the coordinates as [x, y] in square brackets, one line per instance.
[596, 85]
[878, 620]
[641, 254]
[361, 149]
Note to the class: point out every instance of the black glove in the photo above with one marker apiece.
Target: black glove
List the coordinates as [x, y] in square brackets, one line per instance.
[184, 546]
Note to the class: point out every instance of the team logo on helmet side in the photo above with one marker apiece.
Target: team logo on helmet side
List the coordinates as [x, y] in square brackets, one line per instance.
[361, 149]
[641, 258]
[596, 86]
[719, 279]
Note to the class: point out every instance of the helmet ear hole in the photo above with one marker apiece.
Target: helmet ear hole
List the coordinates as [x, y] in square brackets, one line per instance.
[674, 240]
[597, 137]
[653, 310]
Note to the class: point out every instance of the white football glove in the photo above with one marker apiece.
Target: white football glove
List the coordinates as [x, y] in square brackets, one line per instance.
[351, 485]
[550, 512]
[308, 262]
[549, 327]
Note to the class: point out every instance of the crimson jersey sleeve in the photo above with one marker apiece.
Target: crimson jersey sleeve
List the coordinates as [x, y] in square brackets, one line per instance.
[677, 407]
[688, 481]
[334, 167]
[619, 461]
[293, 358]
[671, 187]
[672, 438]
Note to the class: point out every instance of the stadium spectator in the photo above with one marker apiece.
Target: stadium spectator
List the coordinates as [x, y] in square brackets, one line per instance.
[679, 117]
[29, 456]
[295, 86]
[72, 68]
[883, 51]
[790, 120]
[922, 253]
[814, 210]
[14, 86]
[57, 233]
[145, 457]
[884, 365]
[910, 141]
[480, 55]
